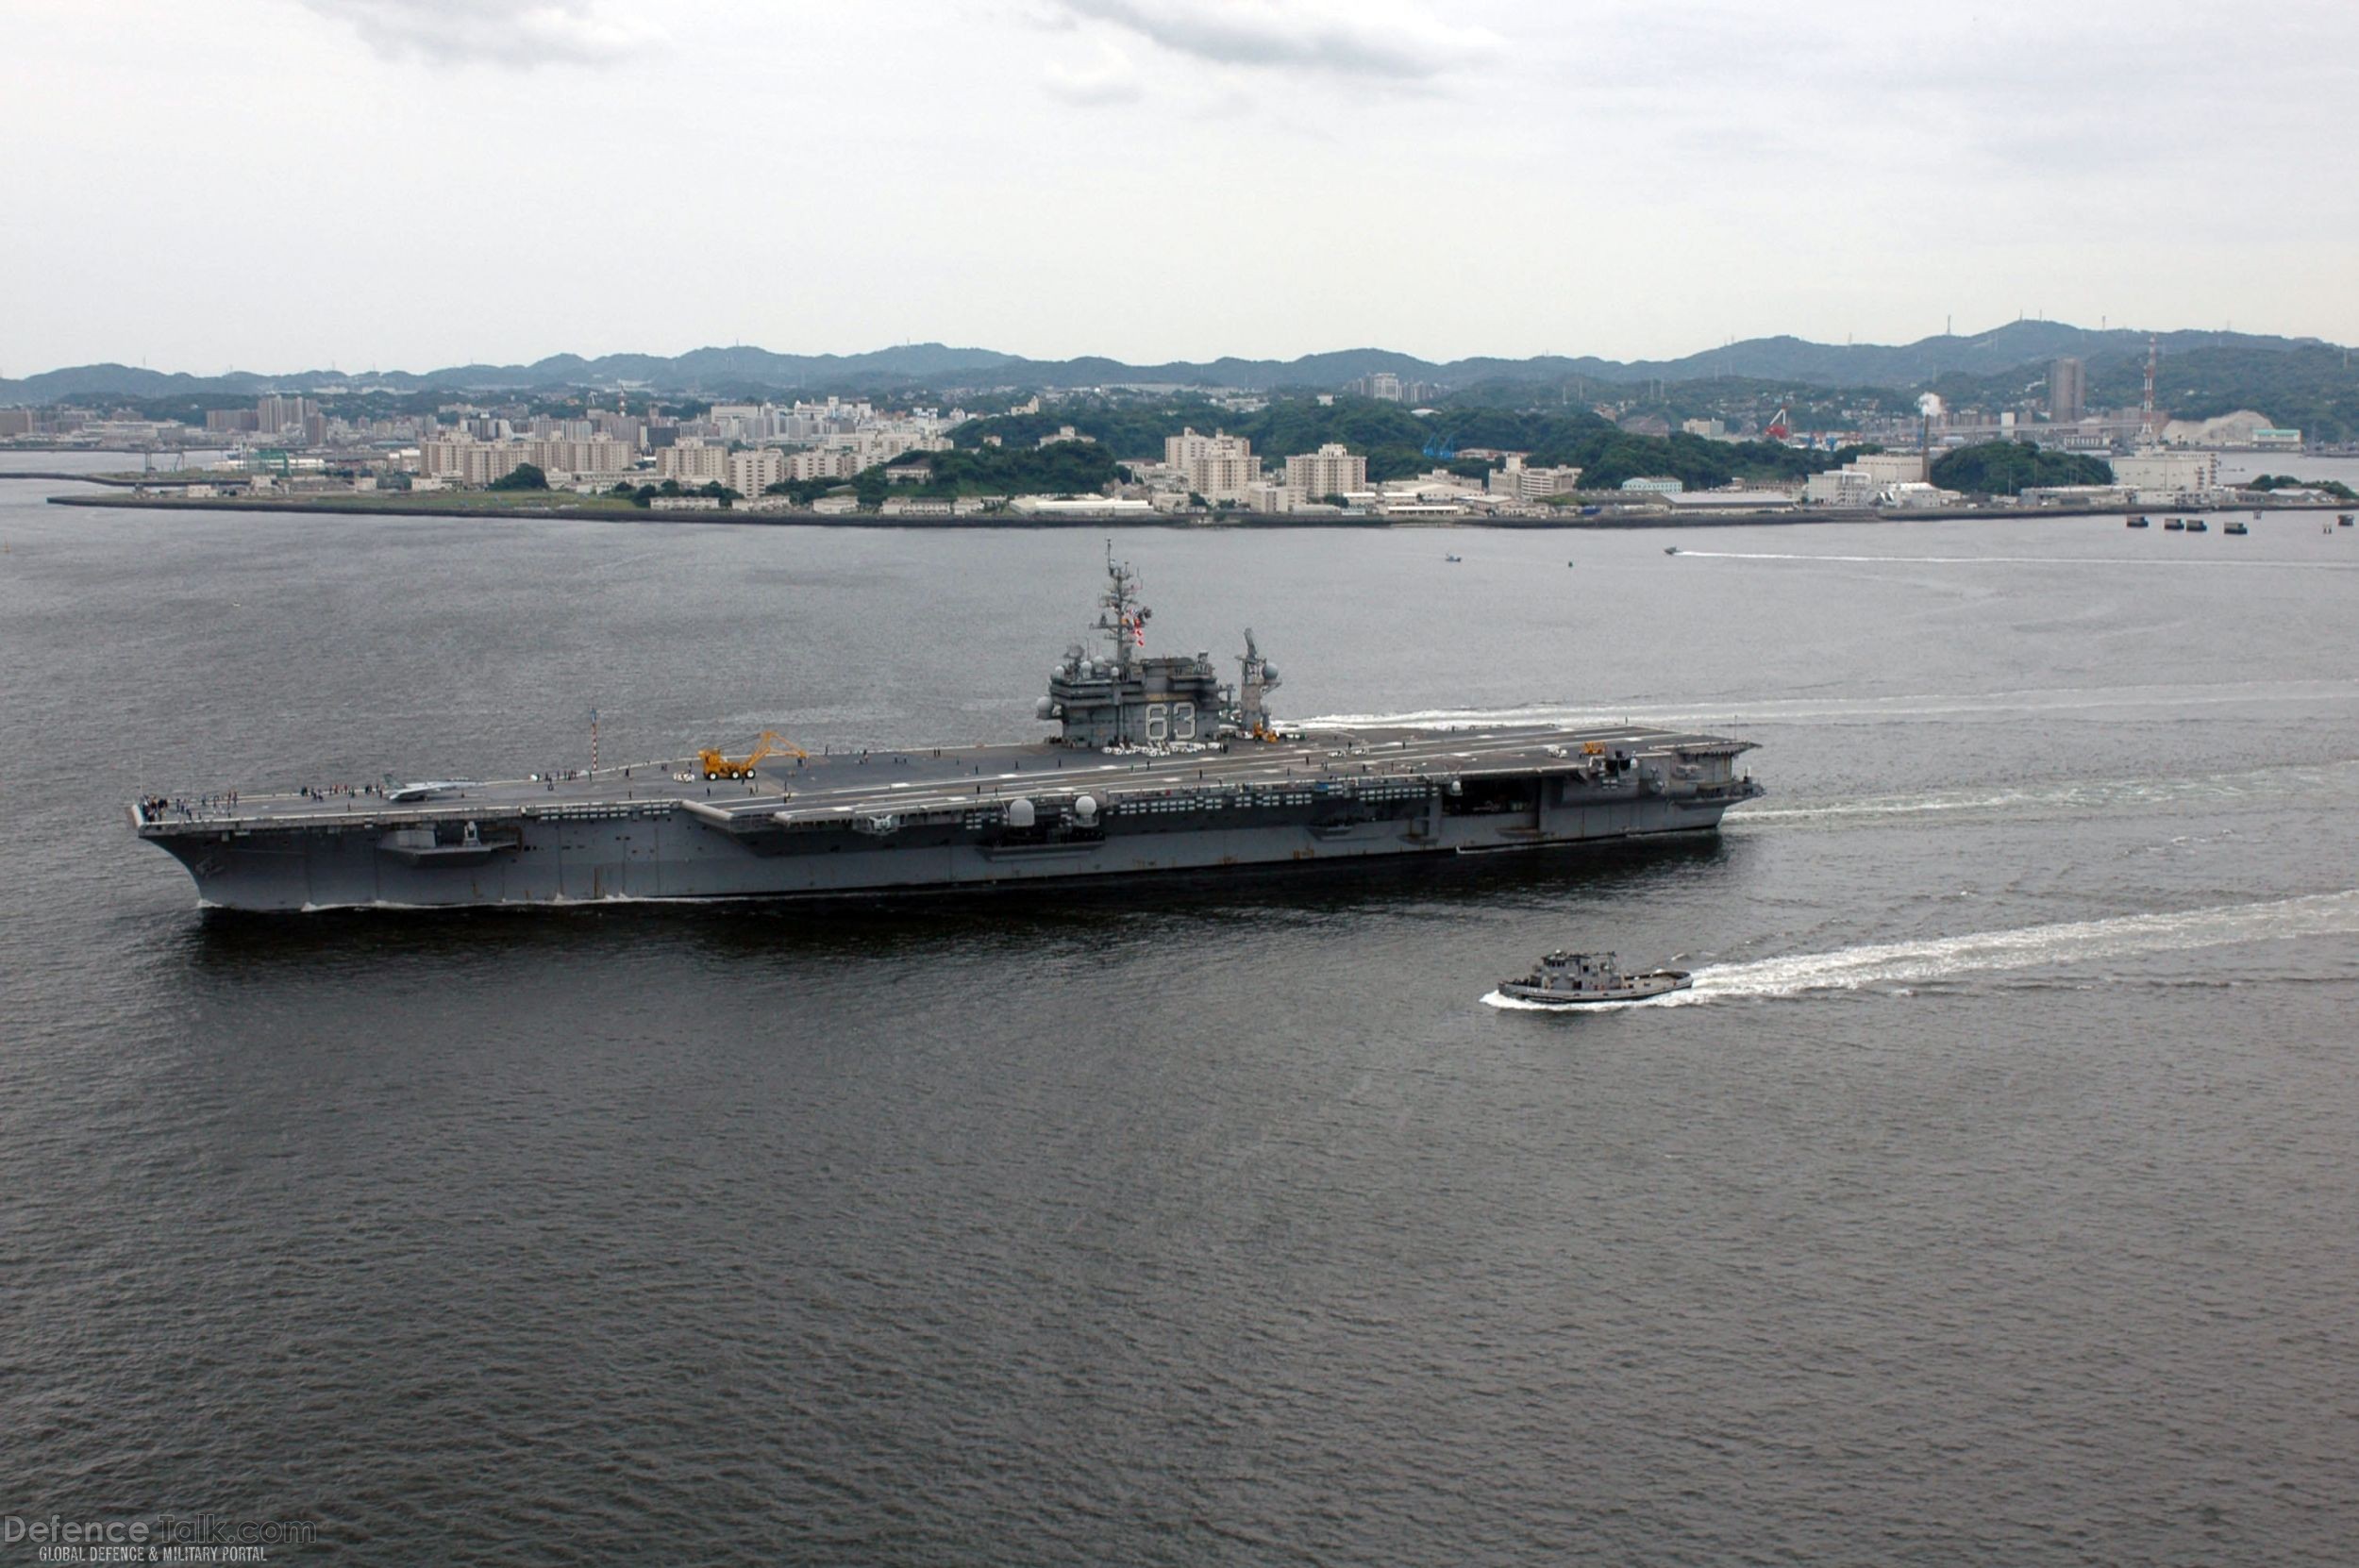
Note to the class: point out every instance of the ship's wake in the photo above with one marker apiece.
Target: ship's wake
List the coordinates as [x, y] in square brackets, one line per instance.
[1902, 964]
[2083, 797]
[1739, 712]
[2196, 562]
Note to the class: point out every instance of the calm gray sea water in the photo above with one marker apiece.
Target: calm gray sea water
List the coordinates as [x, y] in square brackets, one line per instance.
[1993, 1200]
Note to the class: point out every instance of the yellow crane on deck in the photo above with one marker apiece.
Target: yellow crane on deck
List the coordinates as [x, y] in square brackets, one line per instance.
[717, 765]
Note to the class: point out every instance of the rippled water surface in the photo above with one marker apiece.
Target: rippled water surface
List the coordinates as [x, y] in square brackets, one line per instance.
[1991, 1198]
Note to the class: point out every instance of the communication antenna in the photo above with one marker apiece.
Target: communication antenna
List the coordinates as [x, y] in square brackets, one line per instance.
[1122, 618]
[2146, 406]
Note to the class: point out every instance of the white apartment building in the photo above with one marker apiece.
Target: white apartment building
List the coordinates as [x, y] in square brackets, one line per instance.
[465, 460]
[468, 462]
[1218, 467]
[744, 421]
[752, 471]
[1519, 481]
[588, 454]
[1329, 471]
[692, 461]
[837, 464]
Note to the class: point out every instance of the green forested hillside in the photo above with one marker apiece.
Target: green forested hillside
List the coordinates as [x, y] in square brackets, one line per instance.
[1398, 443]
[2007, 467]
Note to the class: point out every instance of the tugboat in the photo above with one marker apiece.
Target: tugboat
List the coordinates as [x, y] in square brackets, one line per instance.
[1670, 549]
[1578, 979]
[2197, 525]
[2342, 520]
[2174, 523]
[2235, 527]
[2137, 522]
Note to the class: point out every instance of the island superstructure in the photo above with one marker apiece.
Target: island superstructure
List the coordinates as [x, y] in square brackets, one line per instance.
[1156, 766]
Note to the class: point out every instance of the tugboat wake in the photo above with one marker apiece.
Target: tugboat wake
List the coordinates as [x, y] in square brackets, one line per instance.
[1907, 963]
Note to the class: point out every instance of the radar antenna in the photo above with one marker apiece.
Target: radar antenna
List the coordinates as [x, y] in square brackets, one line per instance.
[1256, 679]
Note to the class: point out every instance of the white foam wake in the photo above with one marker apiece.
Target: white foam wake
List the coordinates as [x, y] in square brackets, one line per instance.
[2089, 795]
[2197, 562]
[1824, 710]
[2081, 941]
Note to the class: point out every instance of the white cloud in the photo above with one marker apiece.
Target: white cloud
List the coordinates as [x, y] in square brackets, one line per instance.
[516, 33]
[1389, 39]
[1108, 78]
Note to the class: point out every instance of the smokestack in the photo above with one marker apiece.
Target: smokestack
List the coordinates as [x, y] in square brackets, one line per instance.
[1927, 406]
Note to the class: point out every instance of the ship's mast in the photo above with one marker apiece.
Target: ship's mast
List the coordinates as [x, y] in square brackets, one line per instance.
[1121, 617]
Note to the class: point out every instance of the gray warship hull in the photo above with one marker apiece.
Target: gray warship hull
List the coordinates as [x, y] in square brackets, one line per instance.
[917, 820]
[1157, 767]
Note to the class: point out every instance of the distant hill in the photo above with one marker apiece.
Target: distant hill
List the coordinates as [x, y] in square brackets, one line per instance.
[749, 371]
[2307, 386]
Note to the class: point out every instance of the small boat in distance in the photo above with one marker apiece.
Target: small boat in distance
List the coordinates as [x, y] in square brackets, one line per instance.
[2174, 523]
[2137, 522]
[2197, 525]
[1670, 549]
[1453, 557]
[2342, 520]
[1580, 979]
[2237, 527]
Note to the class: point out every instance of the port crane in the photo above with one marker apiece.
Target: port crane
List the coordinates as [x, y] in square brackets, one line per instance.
[719, 765]
[1778, 426]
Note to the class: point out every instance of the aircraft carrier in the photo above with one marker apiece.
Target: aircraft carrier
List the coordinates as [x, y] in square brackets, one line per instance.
[1156, 766]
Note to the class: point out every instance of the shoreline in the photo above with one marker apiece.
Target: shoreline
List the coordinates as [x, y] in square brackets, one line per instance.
[337, 508]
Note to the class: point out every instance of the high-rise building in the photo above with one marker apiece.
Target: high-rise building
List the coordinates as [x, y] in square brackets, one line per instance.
[756, 470]
[693, 462]
[2067, 390]
[1218, 467]
[273, 413]
[595, 455]
[464, 460]
[1329, 471]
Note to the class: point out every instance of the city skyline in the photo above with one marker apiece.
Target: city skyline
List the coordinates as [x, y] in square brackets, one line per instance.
[277, 186]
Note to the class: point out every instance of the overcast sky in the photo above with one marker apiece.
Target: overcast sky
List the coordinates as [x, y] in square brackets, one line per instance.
[282, 184]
